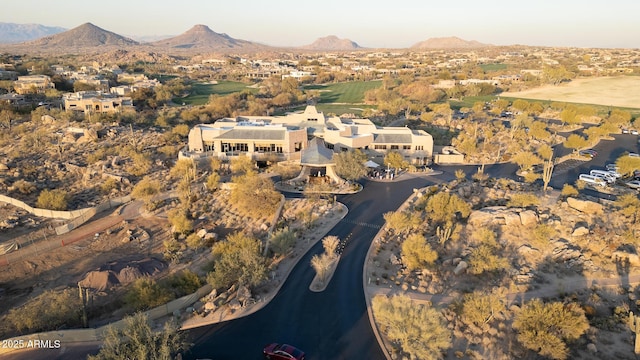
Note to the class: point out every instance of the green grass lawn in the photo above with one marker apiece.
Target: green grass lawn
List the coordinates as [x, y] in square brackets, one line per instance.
[337, 109]
[601, 109]
[200, 92]
[345, 93]
[493, 67]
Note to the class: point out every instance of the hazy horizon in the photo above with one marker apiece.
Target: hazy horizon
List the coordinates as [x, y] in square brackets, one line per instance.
[374, 25]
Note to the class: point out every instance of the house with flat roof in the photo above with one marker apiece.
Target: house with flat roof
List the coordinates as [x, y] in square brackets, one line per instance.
[91, 102]
[286, 136]
[33, 84]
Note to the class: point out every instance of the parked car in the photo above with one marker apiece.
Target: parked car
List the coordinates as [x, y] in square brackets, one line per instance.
[634, 154]
[634, 184]
[625, 131]
[612, 167]
[634, 132]
[604, 174]
[277, 351]
[592, 180]
[588, 153]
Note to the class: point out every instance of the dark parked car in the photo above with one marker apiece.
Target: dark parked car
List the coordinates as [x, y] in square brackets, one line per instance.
[277, 351]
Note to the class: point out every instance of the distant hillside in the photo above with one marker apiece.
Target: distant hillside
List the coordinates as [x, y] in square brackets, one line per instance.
[332, 42]
[448, 43]
[15, 33]
[85, 35]
[201, 37]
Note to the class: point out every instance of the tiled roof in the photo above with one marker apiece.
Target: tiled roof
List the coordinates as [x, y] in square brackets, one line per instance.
[317, 154]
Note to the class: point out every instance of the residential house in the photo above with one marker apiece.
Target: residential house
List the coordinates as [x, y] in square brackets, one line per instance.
[33, 84]
[96, 102]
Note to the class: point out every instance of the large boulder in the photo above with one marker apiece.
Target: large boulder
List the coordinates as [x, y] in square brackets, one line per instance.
[580, 231]
[462, 266]
[585, 206]
[528, 218]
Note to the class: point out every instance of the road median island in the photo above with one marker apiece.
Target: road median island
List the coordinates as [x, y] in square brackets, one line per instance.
[282, 272]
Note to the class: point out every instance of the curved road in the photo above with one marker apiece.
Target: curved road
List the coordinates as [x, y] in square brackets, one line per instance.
[332, 324]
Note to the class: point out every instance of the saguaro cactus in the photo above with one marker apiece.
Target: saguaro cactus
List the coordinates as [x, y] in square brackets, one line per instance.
[634, 325]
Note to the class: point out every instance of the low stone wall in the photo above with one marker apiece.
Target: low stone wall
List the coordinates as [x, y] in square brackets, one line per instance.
[77, 217]
[53, 214]
[59, 338]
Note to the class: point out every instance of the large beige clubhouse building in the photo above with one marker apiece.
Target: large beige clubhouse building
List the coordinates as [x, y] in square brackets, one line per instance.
[286, 136]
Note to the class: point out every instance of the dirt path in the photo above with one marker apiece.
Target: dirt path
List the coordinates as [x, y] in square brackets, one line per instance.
[87, 230]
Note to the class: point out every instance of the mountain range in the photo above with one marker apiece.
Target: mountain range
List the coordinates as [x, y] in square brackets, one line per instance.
[15, 33]
[198, 38]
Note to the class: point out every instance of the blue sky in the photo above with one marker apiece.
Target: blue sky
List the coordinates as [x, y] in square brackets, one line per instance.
[372, 23]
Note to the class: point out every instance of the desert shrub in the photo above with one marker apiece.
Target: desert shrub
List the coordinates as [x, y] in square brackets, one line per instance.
[184, 283]
[145, 293]
[321, 263]
[416, 252]
[140, 164]
[546, 328]
[237, 259]
[443, 207]
[108, 185]
[541, 235]
[99, 154]
[48, 311]
[531, 177]
[401, 221]
[53, 200]
[581, 184]
[282, 241]
[330, 245]
[24, 187]
[194, 241]
[169, 151]
[145, 190]
[180, 221]
[181, 130]
[479, 307]
[486, 256]
[213, 180]
[419, 329]
[172, 250]
[523, 200]
[250, 190]
[568, 190]
[286, 171]
[137, 340]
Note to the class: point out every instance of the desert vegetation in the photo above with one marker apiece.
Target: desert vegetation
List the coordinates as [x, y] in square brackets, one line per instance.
[478, 246]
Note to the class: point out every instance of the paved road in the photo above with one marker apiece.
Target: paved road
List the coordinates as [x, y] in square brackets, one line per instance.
[332, 324]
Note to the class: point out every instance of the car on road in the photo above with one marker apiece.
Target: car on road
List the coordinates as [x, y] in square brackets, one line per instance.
[634, 184]
[276, 351]
[588, 153]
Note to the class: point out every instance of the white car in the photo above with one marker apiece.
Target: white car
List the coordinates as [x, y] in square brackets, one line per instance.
[634, 132]
[634, 184]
